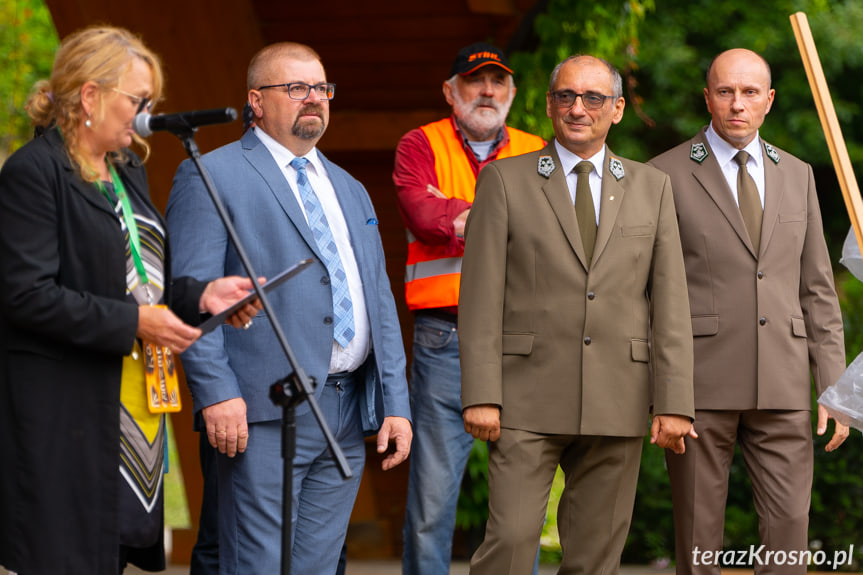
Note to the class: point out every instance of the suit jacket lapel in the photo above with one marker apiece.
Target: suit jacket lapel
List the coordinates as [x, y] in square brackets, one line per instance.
[709, 175]
[262, 160]
[611, 197]
[557, 195]
[351, 210]
[774, 188]
[89, 191]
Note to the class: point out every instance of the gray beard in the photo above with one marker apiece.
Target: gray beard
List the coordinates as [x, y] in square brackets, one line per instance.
[482, 125]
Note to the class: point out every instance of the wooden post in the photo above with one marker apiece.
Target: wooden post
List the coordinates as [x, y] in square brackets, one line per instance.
[829, 122]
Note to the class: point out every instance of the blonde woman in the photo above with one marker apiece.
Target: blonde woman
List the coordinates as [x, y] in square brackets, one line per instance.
[84, 287]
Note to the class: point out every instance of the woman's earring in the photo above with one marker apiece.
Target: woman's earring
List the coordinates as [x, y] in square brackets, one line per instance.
[87, 122]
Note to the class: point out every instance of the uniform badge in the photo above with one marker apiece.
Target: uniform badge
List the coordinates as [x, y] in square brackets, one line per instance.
[772, 153]
[698, 152]
[545, 166]
[615, 166]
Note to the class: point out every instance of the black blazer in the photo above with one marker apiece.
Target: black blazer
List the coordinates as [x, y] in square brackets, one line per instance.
[65, 325]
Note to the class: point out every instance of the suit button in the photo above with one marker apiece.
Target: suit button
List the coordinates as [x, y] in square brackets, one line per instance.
[325, 280]
[328, 320]
[587, 340]
[763, 321]
[590, 295]
[760, 275]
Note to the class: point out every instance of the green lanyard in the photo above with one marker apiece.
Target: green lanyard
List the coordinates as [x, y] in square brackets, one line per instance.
[129, 218]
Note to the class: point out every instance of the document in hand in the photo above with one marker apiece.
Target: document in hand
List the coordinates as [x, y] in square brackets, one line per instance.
[219, 318]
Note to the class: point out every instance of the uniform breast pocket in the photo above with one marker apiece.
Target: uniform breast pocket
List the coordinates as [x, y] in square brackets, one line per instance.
[791, 217]
[640, 231]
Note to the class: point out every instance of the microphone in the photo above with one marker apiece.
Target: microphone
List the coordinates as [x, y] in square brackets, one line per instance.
[182, 122]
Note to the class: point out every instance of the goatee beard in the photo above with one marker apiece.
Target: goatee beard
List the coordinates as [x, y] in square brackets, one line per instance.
[306, 130]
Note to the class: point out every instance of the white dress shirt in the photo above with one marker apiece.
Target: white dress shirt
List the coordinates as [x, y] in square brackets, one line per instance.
[348, 358]
[725, 153]
[568, 161]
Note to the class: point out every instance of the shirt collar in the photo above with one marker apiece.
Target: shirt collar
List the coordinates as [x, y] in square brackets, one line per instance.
[284, 156]
[568, 160]
[725, 152]
[500, 140]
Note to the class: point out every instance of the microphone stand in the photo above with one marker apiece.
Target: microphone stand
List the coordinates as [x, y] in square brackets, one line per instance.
[288, 392]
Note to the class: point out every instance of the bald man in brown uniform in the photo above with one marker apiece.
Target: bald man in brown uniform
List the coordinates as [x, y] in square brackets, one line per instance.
[764, 314]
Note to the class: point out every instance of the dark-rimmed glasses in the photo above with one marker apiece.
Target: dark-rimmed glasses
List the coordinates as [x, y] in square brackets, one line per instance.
[590, 100]
[301, 90]
[141, 104]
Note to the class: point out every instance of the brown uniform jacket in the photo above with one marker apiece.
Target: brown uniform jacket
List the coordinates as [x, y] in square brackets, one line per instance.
[759, 323]
[559, 350]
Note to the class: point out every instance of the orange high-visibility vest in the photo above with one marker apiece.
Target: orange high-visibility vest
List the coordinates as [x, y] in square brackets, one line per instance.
[432, 277]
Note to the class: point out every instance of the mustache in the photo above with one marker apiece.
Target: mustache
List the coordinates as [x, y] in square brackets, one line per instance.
[485, 101]
[316, 108]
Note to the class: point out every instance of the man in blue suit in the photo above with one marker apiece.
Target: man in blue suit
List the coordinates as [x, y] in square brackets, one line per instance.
[288, 203]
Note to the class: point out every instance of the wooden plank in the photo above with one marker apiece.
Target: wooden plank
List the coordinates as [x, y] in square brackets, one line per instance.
[373, 130]
[503, 7]
[396, 29]
[829, 122]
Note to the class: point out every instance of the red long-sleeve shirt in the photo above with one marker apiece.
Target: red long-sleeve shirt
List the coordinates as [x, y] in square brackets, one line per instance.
[429, 218]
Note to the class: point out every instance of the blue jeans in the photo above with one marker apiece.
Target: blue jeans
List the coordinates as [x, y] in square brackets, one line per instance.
[439, 451]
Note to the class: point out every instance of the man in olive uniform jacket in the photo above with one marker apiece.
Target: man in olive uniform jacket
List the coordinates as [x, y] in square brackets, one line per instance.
[564, 283]
[764, 314]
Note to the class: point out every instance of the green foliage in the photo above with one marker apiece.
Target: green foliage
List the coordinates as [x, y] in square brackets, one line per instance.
[549, 543]
[836, 516]
[651, 535]
[472, 511]
[28, 41]
[605, 29]
[663, 50]
[677, 46]
[176, 506]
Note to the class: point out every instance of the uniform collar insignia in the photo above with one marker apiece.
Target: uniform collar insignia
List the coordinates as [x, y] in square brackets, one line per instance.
[545, 166]
[615, 166]
[698, 152]
[772, 153]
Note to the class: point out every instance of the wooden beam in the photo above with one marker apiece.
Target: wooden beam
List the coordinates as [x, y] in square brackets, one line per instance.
[367, 131]
[829, 122]
[500, 7]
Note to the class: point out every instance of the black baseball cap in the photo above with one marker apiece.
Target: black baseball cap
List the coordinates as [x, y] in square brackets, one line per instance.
[473, 57]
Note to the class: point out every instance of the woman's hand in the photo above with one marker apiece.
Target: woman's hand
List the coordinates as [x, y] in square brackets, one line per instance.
[159, 325]
[224, 292]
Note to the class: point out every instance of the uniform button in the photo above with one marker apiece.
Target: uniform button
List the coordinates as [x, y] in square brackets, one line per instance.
[587, 340]
[325, 280]
[328, 320]
[590, 295]
[760, 275]
[763, 321]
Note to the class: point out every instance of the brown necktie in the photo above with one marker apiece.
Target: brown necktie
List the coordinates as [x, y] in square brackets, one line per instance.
[748, 200]
[584, 210]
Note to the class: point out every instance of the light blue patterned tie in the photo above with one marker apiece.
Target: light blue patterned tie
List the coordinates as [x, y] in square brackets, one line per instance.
[342, 306]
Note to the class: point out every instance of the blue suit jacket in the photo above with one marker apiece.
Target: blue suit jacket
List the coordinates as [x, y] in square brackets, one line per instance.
[229, 363]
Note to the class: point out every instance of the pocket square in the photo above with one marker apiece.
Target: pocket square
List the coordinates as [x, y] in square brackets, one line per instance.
[372, 222]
